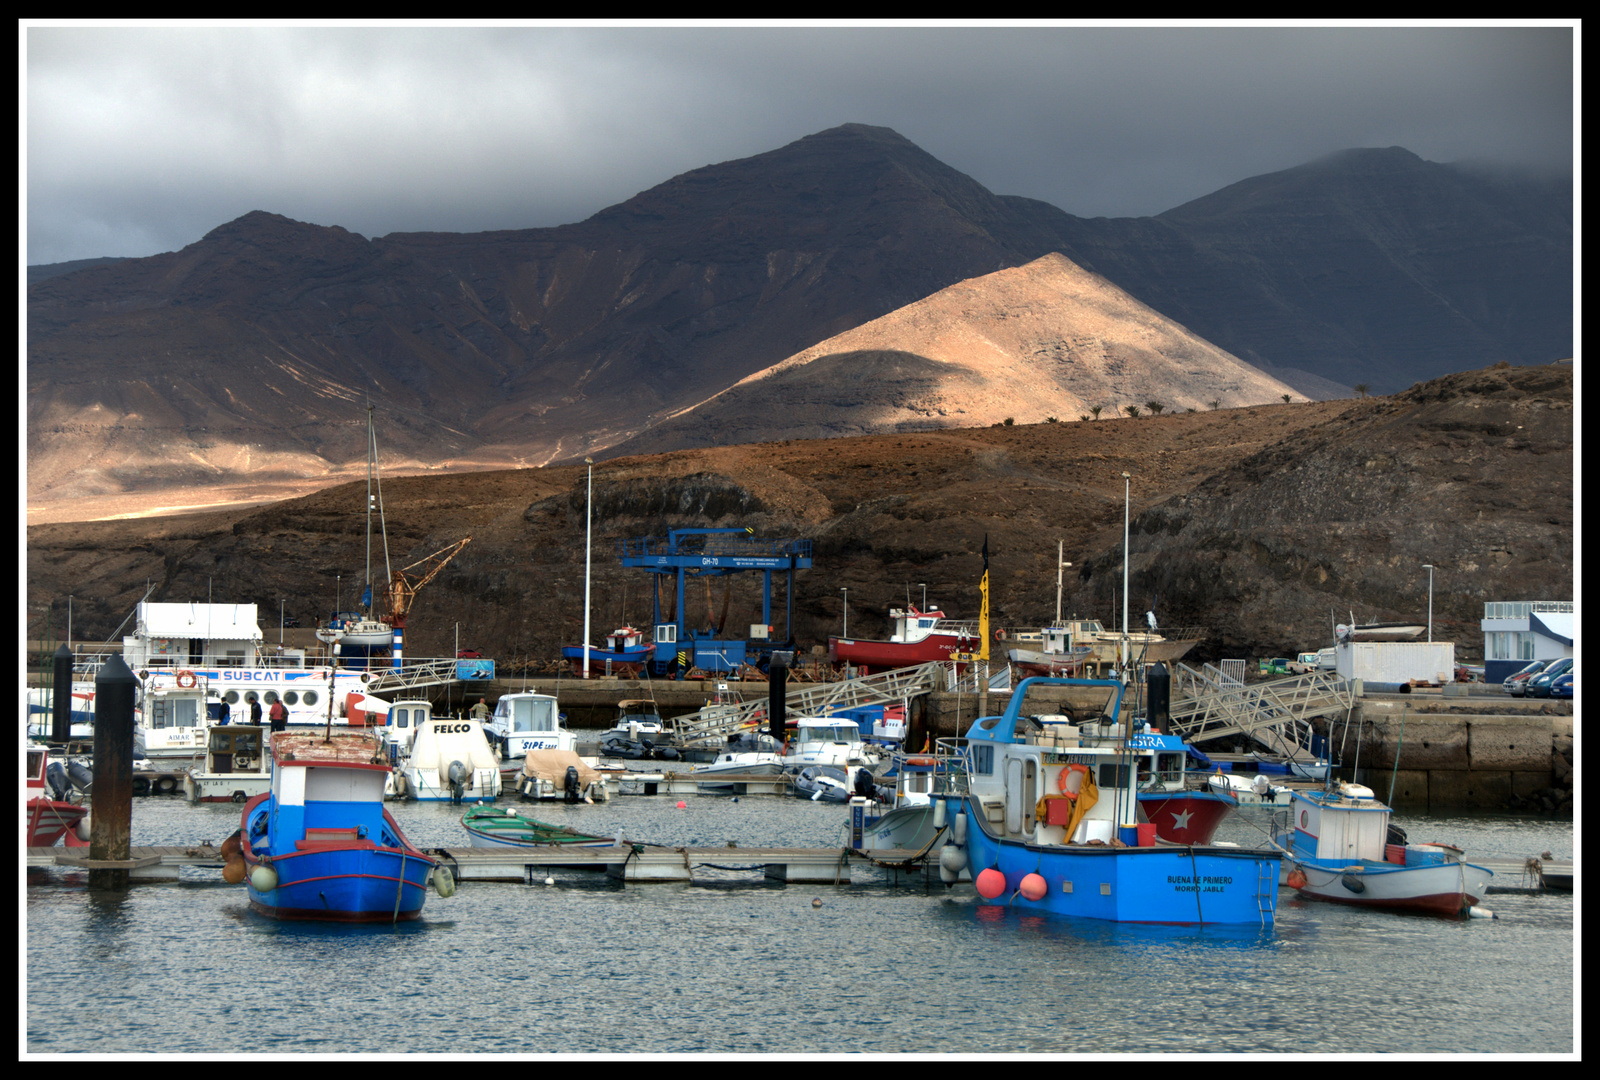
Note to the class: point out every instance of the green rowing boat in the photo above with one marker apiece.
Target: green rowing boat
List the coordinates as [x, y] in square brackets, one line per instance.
[490, 826]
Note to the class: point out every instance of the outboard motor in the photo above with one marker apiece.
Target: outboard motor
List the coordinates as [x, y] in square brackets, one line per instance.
[458, 781]
[55, 775]
[81, 775]
[573, 786]
[865, 787]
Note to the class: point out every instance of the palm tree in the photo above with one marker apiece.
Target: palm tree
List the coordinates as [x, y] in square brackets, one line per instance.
[1094, 410]
[1215, 403]
[1154, 406]
[1361, 388]
[1131, 410]
[1287, 399]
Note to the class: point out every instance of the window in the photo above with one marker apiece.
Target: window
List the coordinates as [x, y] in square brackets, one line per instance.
[308, 697]
[231, 697]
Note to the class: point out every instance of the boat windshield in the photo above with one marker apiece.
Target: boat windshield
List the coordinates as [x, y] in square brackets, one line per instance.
[526, 714]
[830, 733]
[180, 712]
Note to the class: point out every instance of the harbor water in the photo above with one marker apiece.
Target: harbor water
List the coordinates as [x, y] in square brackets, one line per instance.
[731, 965]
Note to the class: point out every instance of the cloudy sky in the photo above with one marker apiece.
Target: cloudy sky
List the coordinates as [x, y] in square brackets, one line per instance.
[140, 138]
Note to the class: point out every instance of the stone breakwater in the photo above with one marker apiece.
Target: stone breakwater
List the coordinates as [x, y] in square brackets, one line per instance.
[1475, 753]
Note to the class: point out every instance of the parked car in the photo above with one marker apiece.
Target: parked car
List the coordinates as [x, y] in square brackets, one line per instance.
[1278, 665]
[1517, 682]
[290, 620]
[468, 654]
[1561, 686]
[1539, 685]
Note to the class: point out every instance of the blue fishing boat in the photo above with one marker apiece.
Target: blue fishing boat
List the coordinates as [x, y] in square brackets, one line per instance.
[320, 845]
[1047, 819]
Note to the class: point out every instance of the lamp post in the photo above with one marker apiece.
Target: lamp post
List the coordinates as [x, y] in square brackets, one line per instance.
[846, 631]
[924, 585]
[588, 540]
[1429, 568]
[280, 621]
[1126, 489]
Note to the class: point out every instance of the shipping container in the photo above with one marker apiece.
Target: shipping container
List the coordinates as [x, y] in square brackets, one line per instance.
[1397, 661]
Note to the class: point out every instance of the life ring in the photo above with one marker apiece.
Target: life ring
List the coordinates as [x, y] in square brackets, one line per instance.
[186, 680]
[919, 761]
[1065, 784]
[999, 635]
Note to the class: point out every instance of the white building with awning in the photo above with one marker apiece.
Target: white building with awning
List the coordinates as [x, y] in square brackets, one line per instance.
[193, 635]
[1518, 632]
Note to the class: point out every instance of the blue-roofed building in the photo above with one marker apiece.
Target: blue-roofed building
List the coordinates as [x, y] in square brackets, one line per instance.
[1517, 632]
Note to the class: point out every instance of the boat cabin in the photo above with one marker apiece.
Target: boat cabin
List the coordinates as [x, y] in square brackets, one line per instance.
[913, 625]
[174, 718]
[825, 740]
[1085, 779]
[236, 767]
[528, 721]
[439, 757]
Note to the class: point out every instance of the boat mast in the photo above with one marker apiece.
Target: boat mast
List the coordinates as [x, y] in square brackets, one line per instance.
[372, 451]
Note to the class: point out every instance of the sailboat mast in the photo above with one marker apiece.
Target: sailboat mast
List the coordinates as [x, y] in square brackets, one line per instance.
[372, 452]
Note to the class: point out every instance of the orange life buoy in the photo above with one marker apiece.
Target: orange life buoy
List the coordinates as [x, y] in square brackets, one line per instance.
[919, 761]
[1064, 781]
[999, 635]
[186, 679]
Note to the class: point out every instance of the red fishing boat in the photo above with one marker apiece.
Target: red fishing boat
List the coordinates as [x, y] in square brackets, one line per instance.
[920, 637]
[47, 817]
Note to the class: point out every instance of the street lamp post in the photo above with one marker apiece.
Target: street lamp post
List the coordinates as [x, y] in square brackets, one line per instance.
[1061, 549]
[846, 631]
[1126, 490]
[588, 541]
[924, 585]
[280, 621]
[1430, 603]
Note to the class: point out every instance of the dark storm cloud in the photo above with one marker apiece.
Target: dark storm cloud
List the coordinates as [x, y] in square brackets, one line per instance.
[141, 139]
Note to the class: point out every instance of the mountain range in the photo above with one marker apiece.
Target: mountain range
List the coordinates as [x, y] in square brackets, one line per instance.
[238, 368]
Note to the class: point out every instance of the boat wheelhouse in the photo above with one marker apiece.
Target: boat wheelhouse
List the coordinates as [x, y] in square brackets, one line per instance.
[237, 767]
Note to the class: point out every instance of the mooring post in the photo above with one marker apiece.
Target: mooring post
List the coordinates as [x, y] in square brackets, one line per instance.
[778, 695]
[61, 697]
[111, 814]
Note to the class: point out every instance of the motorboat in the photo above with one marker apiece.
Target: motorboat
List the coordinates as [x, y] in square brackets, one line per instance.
[902, 822]
[1339, 845]
[1048, 827]
[1250, 791]
[561, 775]
[362, 630]
[826, 740]
[528, 721]
[747, 755]
[49, 816]
[439, 758]
[237, 767]
[919, 637]
[1056, 654]
[319, 844]
[638, 734]
[625, 653]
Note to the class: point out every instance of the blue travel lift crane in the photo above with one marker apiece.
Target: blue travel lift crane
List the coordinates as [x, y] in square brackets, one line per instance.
[679, 648]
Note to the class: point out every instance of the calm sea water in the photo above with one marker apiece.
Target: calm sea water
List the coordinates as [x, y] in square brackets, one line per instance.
[731, 966]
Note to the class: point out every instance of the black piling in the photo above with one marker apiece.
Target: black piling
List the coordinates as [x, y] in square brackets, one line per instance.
[61, 698]
[1158, 687]
[111, 813]
[777, 695]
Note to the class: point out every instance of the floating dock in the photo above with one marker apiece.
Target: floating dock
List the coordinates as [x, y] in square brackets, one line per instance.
[642, 863]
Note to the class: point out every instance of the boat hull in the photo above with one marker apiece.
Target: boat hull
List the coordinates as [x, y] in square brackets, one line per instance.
[627, 662]
[873, 656]
[47, 822]
[222, 787]
[1176, 886]
[1445, 889]
[501, 829]
[1186, 817]
[347, 884]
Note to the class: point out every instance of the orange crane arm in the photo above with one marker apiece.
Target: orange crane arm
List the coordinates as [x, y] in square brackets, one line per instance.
[402, 590]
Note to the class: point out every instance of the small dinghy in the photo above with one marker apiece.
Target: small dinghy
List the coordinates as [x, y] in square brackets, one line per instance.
[491, 826]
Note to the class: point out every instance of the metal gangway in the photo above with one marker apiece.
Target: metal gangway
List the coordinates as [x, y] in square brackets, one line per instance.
[412, 676]
[716, 722]
[1211, 703]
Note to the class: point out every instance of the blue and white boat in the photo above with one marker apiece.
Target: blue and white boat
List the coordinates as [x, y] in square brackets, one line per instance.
[1340, 846]
[319, 845]
[1044, 825]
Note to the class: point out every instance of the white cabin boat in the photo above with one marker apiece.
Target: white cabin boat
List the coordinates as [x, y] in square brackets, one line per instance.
[438, 758]
[237, 767]
[826, 740]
